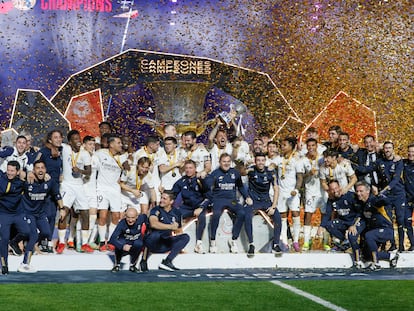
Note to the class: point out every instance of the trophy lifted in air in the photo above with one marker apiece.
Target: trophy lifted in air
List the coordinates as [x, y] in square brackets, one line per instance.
[181, 103]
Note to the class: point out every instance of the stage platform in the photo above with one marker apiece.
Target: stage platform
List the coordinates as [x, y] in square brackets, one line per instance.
[70, 260]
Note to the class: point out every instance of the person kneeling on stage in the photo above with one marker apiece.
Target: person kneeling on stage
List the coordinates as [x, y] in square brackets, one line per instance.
[377, 213]
[165, 222]
[128, 239]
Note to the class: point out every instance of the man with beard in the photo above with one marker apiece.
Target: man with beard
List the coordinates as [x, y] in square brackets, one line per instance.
[33, 203]
[196, 152]
[408, 176]
[76, 164]
[11, 187]
[389, 170]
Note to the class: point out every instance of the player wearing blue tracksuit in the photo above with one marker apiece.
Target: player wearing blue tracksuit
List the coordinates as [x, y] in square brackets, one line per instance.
[51, 155]
[260, 181]
[342, 215]
[34, 203]
[194, 203]
[389, 171]
[165, 235]
[128, 238]
[223, 184]
[408, 177]
[377, 215]
[11, 187]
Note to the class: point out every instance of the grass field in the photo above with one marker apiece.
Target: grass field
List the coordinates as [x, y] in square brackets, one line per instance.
[230, 295]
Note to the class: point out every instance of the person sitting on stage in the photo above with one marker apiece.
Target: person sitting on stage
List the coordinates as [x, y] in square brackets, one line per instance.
[192, 190]
[260, 181]
[128, 239]
[166, 235]
[223, 184]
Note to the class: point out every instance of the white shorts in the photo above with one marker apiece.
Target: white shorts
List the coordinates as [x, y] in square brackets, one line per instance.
[286, 202]
[91, 197]
[74, 196]
[314, 202]
[132, 201]
[109, 198]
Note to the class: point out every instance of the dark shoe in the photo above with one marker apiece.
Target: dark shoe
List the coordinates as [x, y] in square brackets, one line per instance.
[4, 270]
[115, 269]
[143, 265]
[43, 248]
[394, 259]
[133, 269]
[374, 266]
[276, 250]
[410, 249]
[167, 266]
[15, 249]
[250, 252]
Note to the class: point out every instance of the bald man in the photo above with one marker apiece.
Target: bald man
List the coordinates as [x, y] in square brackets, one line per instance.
[128, 238]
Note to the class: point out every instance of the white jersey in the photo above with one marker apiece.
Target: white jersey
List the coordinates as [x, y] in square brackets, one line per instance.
[320, 149]
[22, 159]
[216, 152]
[287, 170]
[168, 179]
[243, 154]
[272, 163]
[340, 173]
[90, 183]
[142, 152]
[109, 169]
[132, 180]
[312, 182]
[72, 159]
[200, 156]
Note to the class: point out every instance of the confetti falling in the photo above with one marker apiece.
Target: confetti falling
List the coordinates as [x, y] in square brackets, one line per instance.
[311, 49]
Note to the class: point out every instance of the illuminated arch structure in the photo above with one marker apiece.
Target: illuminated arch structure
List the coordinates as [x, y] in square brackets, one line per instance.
[172, 88]
[131, 81]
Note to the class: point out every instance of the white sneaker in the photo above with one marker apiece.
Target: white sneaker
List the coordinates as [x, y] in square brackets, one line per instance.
[199, 248]
[213, 247]
[233, 246]
[25, 268]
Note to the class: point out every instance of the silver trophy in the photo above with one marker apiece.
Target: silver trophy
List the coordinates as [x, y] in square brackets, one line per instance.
[235, 110]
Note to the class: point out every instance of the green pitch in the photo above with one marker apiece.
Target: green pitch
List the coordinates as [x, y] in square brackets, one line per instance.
[230, 295]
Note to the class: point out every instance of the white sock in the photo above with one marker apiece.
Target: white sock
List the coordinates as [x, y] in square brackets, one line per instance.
[296, 228]
[102, 233]
[306, 233]
[111, 230]
[93, 228]
[283, 233]
[85, 235]
[61, 235]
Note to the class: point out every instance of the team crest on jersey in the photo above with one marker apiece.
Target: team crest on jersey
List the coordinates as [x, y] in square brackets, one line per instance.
[45, 187]
[221, 178]
[30, 188]
[346, 202]
[127, 231]
[233, 176]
